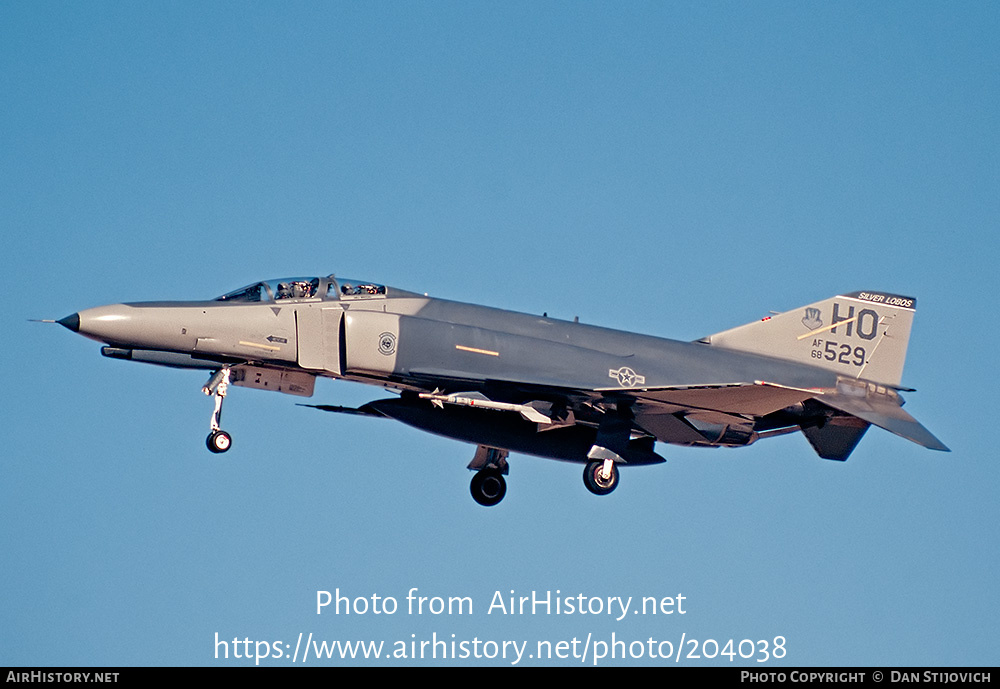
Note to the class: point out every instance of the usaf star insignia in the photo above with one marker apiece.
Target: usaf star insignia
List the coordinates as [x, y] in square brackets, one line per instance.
[627, 378]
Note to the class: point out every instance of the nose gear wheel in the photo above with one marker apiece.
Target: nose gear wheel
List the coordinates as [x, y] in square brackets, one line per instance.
[218, 440]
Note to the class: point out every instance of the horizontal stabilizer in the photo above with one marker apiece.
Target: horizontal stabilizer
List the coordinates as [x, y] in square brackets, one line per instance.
[886, 415]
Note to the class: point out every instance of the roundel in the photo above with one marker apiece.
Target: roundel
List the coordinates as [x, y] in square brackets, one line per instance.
[387, 343]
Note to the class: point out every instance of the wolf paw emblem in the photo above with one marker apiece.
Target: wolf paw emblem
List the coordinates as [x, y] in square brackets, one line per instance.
[812, 319]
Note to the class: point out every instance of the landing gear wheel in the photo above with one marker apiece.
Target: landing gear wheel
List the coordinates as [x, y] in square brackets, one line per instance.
[488, 487]
[219, 441]
[593, 478]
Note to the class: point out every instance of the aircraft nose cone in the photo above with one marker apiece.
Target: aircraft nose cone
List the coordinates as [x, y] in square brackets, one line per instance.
[71, 321]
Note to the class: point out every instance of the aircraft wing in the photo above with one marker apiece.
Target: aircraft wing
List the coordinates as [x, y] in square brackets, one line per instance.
[713, 414]
[364, 410]
[832, 420]
[833, 435]
[764, 400]
[758, 399]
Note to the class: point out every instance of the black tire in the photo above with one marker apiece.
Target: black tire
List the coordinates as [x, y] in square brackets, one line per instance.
[219, 441]
[488, 487]
[595, 482]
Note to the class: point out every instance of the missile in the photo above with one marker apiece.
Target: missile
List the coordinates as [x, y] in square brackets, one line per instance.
[475, 399]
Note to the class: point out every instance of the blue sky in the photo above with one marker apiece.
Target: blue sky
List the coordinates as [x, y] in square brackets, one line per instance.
[669, 168]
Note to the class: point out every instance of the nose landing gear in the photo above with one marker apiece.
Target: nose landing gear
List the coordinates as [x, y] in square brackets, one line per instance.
[218, 440]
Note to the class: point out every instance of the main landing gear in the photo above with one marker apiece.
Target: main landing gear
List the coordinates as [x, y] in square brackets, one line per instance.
[600, 477]
[218, 440]
[488, 485]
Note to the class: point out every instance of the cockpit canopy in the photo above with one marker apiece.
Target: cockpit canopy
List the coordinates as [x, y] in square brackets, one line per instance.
[306, 288]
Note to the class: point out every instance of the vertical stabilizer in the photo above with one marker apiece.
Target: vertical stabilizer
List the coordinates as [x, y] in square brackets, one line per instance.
[859, 335]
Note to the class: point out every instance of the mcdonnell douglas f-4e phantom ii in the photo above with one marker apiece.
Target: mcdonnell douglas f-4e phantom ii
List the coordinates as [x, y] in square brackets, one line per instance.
[514, 382]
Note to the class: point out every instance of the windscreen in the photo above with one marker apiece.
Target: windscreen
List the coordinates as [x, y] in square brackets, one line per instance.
[276, 290]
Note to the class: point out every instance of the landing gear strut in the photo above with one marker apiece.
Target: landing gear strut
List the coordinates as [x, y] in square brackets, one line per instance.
[601, 473]
[601, 477]
[218, 440]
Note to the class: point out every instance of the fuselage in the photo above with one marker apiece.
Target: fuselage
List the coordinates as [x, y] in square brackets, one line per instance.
[408, 339]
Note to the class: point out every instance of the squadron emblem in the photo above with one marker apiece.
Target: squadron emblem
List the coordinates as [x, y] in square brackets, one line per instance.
[812, 320]
[627, 378]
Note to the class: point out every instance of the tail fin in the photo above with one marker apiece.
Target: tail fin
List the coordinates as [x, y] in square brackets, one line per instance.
[859, 335]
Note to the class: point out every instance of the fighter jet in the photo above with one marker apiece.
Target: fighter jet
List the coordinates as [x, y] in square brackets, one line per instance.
[516, 382]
